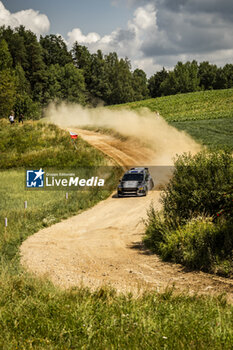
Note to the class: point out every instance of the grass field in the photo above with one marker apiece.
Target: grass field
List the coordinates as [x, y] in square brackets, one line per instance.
[207, 115]
[36, 315]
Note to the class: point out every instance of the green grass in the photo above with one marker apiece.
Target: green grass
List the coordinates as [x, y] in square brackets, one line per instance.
[35, 315]
[37, 144]
[214, 133]
[207, 115]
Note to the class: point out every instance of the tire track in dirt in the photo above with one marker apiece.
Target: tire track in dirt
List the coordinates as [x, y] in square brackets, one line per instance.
[102, 246]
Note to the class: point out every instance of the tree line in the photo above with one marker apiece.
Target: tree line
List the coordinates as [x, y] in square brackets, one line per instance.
[190, 77]
[35, 72]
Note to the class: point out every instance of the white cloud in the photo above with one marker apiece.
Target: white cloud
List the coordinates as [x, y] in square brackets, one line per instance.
[126, 42]
[77, 35]
[31, 19]
[145, 17]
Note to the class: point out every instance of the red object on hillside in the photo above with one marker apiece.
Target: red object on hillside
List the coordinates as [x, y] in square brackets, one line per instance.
[73, 135]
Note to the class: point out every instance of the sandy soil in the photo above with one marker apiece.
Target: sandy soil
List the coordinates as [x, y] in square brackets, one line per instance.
[102, 246]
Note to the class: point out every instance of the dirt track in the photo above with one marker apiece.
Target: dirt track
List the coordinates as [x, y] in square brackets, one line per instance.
[101, 246]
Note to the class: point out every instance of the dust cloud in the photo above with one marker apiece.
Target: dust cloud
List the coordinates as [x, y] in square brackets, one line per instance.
[150, 128]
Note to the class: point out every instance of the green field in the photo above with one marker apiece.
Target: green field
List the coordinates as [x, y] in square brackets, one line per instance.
[207, 115]
[214, 133]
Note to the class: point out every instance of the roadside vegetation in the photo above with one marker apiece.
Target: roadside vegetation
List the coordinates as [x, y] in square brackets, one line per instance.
[206, 115]
[195, 226]
[37, 144]
[34, 314]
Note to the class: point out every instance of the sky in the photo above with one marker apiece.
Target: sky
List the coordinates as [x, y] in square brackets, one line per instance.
[152, 33]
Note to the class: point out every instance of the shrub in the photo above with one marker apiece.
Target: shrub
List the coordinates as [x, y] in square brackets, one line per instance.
[198, 186]
[195, 226]
[199, 244]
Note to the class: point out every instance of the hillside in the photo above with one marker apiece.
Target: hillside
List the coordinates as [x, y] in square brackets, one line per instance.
[207, 115]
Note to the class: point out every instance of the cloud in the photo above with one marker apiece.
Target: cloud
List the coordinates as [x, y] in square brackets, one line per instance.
[77, 35]
[172, 30]
[126, 42]
[31, 19]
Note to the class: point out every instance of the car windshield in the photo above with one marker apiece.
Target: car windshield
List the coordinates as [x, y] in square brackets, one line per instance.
[132, 177]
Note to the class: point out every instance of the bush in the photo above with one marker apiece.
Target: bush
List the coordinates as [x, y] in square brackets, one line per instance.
[195, 227]
[199, 244]
[198, 186]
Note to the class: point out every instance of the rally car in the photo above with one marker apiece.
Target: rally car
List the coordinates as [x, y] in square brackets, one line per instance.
[136, 181]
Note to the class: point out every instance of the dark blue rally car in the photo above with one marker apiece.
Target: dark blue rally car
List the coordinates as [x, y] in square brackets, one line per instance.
[136, 181]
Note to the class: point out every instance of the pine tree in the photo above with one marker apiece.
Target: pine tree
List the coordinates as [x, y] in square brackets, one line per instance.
[5, 56]
[7, 92]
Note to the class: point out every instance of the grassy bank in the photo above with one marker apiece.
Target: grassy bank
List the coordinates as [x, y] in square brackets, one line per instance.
[207, 115]
[38, 144]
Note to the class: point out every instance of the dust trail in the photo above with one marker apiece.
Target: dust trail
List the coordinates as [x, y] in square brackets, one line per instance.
[149, 127]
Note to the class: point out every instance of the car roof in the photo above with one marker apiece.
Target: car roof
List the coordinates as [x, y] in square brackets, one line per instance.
[139, 170]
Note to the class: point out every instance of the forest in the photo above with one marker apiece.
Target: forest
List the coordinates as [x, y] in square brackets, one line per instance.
[36, 71]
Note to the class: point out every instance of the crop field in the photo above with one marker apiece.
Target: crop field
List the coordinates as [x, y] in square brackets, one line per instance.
[207, 115]
[214, 133]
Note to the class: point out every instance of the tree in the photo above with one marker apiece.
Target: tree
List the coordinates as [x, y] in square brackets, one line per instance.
[221, 79]
[53, 89]
[170, 85]
[55, 50]
[187, 77]
[7, 92]
[120, 79]
[97, 81]
[154, 83]
[81, 57]
[207, 74]
[183, 79]
[36, 71]
[73, 84]
[21, 82]
[5, 56]
[140, 87]
[228, 73]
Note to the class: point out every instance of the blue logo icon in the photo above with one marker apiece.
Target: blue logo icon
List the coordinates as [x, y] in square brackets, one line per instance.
[35, 178]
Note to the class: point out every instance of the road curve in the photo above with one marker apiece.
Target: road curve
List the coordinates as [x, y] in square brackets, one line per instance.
[102, 246]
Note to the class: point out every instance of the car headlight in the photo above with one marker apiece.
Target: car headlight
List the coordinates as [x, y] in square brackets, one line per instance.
[141, 188]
